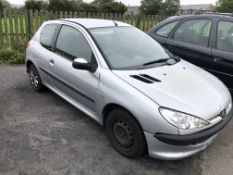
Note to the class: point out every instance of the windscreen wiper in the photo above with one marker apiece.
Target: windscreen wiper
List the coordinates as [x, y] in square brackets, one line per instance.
[156, 61]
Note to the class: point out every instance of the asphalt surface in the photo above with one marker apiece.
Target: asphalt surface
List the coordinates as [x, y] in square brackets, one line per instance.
[41, 134]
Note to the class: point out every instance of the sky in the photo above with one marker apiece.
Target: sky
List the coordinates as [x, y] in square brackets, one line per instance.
[137, 2]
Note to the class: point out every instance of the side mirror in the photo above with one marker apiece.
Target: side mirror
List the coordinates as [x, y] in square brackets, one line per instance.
[82, 64]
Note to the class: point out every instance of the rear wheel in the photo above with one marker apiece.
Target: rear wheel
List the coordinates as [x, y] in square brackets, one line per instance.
[125, 134]
[35, 79]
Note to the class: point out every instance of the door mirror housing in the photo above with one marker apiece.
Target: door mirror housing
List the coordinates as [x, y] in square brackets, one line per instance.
[82, 64]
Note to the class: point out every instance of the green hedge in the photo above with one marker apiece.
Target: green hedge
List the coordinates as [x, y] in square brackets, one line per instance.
[11, 56]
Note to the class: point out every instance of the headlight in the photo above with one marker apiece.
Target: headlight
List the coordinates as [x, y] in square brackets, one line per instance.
[182, 120]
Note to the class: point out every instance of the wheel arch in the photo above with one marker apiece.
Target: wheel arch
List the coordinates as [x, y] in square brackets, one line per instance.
[112, 106]
[28, 64]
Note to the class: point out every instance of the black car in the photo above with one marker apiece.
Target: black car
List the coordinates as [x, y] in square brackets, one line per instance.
[203, 39]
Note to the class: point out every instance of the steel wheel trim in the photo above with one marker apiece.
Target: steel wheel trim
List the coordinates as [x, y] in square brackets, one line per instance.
[34, 79]
[123, 133]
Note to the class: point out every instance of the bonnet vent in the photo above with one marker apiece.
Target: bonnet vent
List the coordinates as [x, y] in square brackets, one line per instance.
[141, 79]
[150, 78]
[145, 78]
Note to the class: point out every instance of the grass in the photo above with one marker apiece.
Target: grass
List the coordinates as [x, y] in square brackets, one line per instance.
[12, 56]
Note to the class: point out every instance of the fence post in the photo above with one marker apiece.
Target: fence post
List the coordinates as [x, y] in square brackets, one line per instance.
[137, 21]
[5, 17]
[1, 29]
[28, 17]
[27, 27]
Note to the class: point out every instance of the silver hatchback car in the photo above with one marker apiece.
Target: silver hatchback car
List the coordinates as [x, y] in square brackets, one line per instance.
[147, 99]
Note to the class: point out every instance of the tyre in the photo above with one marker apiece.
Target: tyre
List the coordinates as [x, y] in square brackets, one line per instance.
[125, 134]
[35, 79]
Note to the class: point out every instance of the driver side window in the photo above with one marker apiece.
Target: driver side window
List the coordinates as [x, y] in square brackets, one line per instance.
[72, 44]
[194, 32]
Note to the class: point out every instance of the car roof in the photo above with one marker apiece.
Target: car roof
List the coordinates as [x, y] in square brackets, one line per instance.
[210, 15]
[95, 23]
[207, 15]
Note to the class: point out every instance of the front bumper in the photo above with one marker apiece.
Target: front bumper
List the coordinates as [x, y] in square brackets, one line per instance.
[168, 146]
[160, 150]
[197, 137]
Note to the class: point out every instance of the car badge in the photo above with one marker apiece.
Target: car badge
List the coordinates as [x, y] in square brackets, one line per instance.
[223, 114]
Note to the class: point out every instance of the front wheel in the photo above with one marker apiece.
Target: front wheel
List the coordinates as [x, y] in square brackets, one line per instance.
[34, 79]
[125, 134]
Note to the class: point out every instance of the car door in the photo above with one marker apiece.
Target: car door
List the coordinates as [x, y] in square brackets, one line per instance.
[223, 52]
[77, 85]
[191, 41]
[43, 50]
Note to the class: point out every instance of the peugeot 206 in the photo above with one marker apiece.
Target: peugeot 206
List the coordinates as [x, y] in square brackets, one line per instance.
[148, 100]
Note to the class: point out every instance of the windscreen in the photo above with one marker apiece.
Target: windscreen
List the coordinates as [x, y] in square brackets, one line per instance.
[127, 47]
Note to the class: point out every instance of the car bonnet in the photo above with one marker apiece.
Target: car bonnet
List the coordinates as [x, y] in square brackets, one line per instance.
[183, 87]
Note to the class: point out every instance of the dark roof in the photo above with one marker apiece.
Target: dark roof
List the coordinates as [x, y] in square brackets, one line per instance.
[209, 15]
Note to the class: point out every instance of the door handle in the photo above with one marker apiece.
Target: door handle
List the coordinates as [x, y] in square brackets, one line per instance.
[223, 60]
[216, 59]
[51, 62]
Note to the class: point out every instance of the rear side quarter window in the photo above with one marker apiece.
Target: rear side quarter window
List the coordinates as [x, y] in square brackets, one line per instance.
[225, 36]
[46, 35]
[166, 29]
